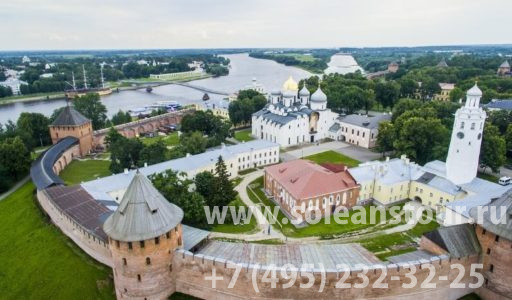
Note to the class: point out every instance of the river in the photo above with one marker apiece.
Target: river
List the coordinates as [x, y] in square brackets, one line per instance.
[243, 69]
[342, 64]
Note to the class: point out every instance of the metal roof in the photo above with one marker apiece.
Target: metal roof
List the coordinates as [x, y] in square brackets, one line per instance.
[365, 120]
[410, 256]
[499, 104]
[192, 236]
[143, 213]
[319, 255]
[76, 203]
[70, 117]
[458, 240]
[501, 209]
[41, 170]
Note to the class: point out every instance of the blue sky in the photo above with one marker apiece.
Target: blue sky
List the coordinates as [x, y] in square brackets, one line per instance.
[108, 24]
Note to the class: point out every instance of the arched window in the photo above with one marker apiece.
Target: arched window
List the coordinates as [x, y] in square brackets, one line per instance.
[461, 125]
[124, 262]
[148, 261]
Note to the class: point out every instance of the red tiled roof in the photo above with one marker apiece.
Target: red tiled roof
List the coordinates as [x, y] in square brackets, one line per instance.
[305, 179]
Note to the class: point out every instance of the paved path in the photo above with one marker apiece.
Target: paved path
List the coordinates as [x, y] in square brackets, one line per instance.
[355, 152]
[14, 188]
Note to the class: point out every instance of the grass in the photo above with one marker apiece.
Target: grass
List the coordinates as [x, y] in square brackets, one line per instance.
[240, 228]
[488, 177]
[247, 171]
[39, 262]
[333, 157]
[84, 170]
[170, 140]
[244, 135]
[471, 296]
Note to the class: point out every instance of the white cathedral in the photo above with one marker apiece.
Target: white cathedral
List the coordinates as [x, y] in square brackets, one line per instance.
[294, 117]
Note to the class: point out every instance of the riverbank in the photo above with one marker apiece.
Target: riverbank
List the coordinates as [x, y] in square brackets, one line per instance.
[118, 86]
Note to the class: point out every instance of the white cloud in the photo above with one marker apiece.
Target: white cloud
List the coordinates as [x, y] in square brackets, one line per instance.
[93, 24]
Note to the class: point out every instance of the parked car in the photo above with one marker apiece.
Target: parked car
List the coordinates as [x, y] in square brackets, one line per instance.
[505, 180]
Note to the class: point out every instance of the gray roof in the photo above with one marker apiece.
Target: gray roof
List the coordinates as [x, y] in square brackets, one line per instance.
[499, 104]
[142, 214]
[70, 117]
[99, 187]
[326, 255]
[366, 121]
[266, 114]
[318, 96]
[458, 240]
[41, 170]
[501, 209]
[335, 127]
[442, 63]
[410, 256]
[192, 236]
[505, 64]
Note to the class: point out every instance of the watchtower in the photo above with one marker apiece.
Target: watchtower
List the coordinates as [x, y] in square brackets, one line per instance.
[71, 123]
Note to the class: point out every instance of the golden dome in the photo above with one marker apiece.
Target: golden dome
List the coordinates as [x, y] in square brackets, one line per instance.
[290, 85]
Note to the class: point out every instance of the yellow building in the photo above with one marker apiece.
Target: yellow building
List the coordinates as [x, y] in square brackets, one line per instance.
[444, 94]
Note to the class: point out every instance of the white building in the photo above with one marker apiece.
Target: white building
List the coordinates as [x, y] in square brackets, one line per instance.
[359, 130]
[14, 84]
[292, 117]
[25, 59]
[464, 151]
[237, 158]
[256, 86]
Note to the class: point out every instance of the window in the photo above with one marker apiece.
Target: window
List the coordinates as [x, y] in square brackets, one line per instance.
[497, 239]
[491, 268]
[142, 244]
[472, 126]
[117, 244]
[157, 240]
[483, 231]
[168, 235]
[124, 262]
[432, 195]
[148, 261]
[488, 250]
[461, 125]
[130, 246]
[138, 277]
[170, 268]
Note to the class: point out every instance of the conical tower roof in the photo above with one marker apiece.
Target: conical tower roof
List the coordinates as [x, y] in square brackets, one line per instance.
[505, 64]
[143, 213]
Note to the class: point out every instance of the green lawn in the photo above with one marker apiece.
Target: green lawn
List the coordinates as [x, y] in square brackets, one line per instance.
[84, 170]
[240, 228]
[170, 140]
[488, 177]
[333, 157]
[299, 56]
[38, 262]
[243, 135]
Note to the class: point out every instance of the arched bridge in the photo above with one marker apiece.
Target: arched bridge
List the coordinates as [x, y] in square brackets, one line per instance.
[200, 88]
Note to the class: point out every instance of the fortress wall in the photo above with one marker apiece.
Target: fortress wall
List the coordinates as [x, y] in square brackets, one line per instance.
[66, 158]
[191, 271]
[92, 245]
[133, 129]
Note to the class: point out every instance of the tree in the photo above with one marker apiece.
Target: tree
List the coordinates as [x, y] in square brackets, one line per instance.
[153, 153]
[121, 117]
[35, 125]
[429, 87]
[214, 127]
[386, 137]
[508, 137]
[125, 154]
[500, 119]
[226, 189]
[422, 139]
[91, 107]
[193, 142]
[176, 188]
[206, 186]
[14, 158]
[404, 105]
[112, 136]
[456, 94]
[493, 149]
[408, 87]
[386, 93]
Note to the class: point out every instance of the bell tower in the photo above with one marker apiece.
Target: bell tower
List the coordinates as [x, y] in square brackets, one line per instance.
[464, 151]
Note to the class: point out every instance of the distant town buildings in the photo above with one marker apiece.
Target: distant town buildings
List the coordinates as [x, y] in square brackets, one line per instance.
[444, 94]
[299, 186]
[504, 69]
[256, 86]
[14, 84]
[499, 104]
[218, 108]
[25, 59]
[393, 67]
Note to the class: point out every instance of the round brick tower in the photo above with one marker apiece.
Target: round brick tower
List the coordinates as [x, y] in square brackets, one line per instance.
[143, 234]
